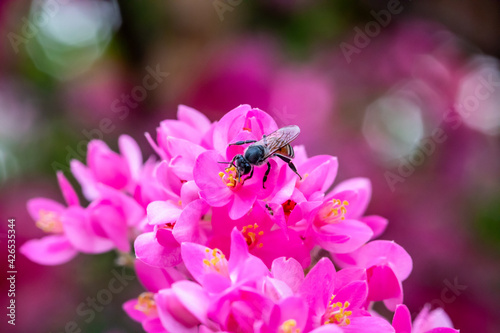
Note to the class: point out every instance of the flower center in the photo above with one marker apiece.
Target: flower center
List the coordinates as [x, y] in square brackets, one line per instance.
[168, 226]
[216, 262]
[146, 303]
[335, 211]
[336, 313]
[229, 176]
[289, 326]
[252, 236]
[288, 206]
[49, 222]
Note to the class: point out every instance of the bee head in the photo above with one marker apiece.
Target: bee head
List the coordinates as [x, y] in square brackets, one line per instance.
[243, 166]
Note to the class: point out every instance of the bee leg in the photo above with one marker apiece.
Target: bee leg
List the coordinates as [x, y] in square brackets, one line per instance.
[290, 164]
[249, 176]
[294, 169]
[266, 174]
[239, 143]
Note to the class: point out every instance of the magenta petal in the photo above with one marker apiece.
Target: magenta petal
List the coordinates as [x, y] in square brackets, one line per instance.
[187, 227]
[368, 324]
[206, 176]
[130, 150]
[193, 256]
[78, 229]
[49, 250]
[160, 212]
[289, 271]
[67, 190]
[132, 312]
[193, 117]
[318, 285]
[243, 200]
[321, 171]
[443, 330]
[376, 223]
[35, 206]
[327, 329]
[383, 283]
[427, 320]
[363, 188]
[294, 308]
[153, 278]
[275, 245]
[112, 222]
[173, 315]
[153, 325]
[357, 232]
[132, 211]
[107, 166]
[402, 319]
[239, 250]
[149, 250]
[193, 297]
[355, 293]
[381, 252]
[347, 275]
[85, 178]
[222, 131]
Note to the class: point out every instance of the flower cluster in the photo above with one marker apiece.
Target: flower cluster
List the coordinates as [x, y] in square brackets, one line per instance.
[216, 252]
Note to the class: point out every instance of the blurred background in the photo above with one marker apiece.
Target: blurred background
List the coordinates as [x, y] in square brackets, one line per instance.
[406, 93]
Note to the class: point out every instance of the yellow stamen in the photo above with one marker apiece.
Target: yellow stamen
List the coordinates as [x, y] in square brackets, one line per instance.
[289, 326]
[336, 313]
[146, 303]
[335, 211]
[49, 222]
[216, 261]
[252, 236]
[229, 177]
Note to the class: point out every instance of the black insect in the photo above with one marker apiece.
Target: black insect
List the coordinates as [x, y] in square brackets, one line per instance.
[275, 144]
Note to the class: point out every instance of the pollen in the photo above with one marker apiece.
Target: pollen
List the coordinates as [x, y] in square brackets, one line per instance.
[335, 211]
[215, 261]
[252, 235]
[336, 313]
[146, 303]
[229, 176]
[289, 326]
[49, 222]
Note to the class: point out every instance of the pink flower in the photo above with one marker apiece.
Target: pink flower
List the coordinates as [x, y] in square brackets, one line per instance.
[265, 239]
[174, 222]
[191, 126]
[387, 264]
[56, 248]
[119, 171]
[212, 269]
[427, 321]
[220, 186]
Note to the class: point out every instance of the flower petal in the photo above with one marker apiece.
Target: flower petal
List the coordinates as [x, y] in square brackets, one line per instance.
[49, 250]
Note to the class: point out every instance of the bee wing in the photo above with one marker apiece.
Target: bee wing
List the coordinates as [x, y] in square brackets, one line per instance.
[279, 138]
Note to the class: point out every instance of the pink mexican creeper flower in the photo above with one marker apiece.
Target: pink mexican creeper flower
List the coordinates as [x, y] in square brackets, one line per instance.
[219, 255]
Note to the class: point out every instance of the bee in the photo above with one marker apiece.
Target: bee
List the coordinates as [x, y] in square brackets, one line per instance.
[275, 144]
